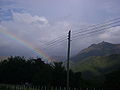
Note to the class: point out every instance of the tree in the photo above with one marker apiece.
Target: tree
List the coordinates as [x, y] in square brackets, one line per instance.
[58, 74]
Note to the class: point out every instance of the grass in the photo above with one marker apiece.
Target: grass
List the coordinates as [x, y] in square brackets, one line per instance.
[13, 87]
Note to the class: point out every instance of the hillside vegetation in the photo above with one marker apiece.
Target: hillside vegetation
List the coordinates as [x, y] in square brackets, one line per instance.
[97, 59]
[97, 65]
[100, 49]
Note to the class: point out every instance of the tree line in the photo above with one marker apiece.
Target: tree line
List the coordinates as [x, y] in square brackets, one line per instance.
[20, 71]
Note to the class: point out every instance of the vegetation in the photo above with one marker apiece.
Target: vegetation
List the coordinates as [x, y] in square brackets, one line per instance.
[35, 72]
[100, 49]
[98, 65]
[18, 70]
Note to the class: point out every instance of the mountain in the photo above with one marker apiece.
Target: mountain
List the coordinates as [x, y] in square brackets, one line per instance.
[97, 59]
[98, 65]
[100, 49]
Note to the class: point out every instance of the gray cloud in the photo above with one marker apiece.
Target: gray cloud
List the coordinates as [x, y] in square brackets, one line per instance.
[111, 35]
[38, 23]
[25, 26]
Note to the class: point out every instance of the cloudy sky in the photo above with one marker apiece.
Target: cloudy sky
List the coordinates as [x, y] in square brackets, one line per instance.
[29, 25]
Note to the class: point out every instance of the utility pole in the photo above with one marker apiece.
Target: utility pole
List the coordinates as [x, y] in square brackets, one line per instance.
[68, 58]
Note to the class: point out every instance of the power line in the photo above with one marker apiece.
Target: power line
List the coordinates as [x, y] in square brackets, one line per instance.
[59, 37]
[95, 27]
[59, 43]
[53, 42]
[92, 32]
[84, 30]
[57, 40]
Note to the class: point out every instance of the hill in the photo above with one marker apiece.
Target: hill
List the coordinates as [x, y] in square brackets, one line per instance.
[97, 59]
[100, 49]
[98, 65]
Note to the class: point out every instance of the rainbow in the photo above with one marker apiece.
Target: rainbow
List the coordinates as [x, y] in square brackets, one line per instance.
[28, 45]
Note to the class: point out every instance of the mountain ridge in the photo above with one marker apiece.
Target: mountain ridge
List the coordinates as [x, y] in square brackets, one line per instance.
[97, 59]
[100, 49]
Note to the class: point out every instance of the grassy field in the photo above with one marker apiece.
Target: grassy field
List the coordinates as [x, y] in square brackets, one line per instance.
[18, 87]
[23, 87]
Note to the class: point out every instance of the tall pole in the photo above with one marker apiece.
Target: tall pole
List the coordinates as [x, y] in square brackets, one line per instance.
[68, 58]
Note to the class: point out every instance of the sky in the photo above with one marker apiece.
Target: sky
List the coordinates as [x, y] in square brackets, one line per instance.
[28, 26]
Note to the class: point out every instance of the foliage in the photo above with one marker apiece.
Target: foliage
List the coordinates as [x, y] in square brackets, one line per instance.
[112, 79]
[19, 70]
[98, 65]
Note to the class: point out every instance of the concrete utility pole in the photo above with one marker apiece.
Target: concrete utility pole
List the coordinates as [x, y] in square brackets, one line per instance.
[68, 58]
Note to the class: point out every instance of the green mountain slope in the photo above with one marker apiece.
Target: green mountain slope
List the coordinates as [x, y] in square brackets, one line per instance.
[100, 49]
[98, 65]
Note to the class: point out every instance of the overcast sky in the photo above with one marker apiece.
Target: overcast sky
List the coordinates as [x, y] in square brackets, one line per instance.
[40, 21]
